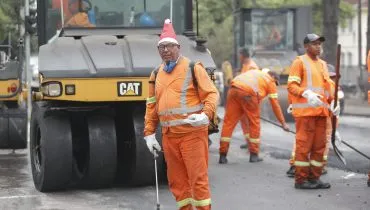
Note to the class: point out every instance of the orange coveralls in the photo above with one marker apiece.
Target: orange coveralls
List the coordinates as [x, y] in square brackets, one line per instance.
[80, 19]
[244, 120]
[171, 99]
[311, 122]
[368, 92]
[246, 92]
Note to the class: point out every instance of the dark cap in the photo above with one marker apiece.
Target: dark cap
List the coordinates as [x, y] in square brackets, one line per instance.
[244, 52]
[313, 37]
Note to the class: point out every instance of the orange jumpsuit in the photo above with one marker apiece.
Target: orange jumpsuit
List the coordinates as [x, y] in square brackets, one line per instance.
[244, 120]
[246, 92]
[80, 19]
[306, 73]
[368, 92]
[172, 99]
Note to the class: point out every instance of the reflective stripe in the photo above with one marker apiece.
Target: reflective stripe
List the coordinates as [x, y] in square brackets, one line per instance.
[184, 110]
[256, 141]
[151, 100]
[325, 157]
[294, 79]
[185, 88]
[184, 202]
[204, 202]
[316, 163]
[308, 71]
[301, 163]
[246, 135]
[253, 80]
[273, 95]
[173, 123]
[225, 139]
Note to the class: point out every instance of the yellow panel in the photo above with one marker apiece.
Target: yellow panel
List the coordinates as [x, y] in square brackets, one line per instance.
[4, 84]
[104, 89]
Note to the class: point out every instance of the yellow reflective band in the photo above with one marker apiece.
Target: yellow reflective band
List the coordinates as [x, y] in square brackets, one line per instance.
[151, 100]
[246, 135]
[293, 155]
[301, 163]
[225, 139]
[294, 79]
[184, 202]
[316, 163]
[273, 95]
[204, 202]
[256, 141]
[325, 157]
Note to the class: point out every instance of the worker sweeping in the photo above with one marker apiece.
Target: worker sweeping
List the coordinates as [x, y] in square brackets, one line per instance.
[183, 111]
[246, 92]
[291, 171]
[308, 84]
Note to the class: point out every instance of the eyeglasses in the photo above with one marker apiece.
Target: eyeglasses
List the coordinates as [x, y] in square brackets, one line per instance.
[166, 46]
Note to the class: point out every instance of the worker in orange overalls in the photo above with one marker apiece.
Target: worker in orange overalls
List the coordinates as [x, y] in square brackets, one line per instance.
[368, 98]
[183, 112]
[246, 92]
[291, 171]
[308, 84]
[247, 64]
[78, 10]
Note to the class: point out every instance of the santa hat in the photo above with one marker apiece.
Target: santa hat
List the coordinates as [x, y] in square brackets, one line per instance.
[168, 33]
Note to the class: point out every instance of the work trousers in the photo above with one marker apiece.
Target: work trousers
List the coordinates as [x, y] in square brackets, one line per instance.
[310, 147]
[329, 130]
[245, 127]
[241, 103]
[187, 169]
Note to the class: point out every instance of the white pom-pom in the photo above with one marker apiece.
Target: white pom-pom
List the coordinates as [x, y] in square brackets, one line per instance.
[167, 21]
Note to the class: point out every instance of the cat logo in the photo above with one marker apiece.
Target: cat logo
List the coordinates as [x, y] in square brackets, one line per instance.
[129, 88]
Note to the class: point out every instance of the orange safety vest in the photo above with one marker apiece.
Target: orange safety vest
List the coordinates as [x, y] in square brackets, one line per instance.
[316, 80]
[256, 80]
[177, 98]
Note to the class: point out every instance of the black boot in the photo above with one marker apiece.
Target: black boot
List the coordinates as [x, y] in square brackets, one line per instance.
[306, 185]
[254, 158]
[244, 146]
[291, 171]
[320, 184]
[223, 159]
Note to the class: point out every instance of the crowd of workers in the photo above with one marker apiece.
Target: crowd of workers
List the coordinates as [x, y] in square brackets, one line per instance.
[184, 110]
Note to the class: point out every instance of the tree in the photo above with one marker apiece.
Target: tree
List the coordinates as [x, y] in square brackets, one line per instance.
[330, 31]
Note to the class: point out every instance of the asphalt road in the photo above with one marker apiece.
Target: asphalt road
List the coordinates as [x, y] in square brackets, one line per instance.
[237, 185]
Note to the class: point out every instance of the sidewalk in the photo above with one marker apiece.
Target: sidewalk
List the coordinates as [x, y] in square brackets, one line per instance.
[356, 107]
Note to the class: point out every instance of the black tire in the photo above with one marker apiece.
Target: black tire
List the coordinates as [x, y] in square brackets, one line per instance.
[50, 149]
[13, 128]
[102, 155]
[138, 161]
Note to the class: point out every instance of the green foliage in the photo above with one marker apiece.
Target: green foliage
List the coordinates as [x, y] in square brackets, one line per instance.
[216, 22]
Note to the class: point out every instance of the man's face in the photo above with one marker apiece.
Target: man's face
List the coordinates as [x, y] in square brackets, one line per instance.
[243, 58]
[313, 48]
[169, 51]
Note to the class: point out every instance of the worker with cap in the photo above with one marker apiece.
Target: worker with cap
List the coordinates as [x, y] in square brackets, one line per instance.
[291, 171]
[183, 111]
[247, 91]
[310, 92]
[79, 16]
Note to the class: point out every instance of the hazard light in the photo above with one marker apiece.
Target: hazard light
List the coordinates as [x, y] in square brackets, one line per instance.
[12, 88]
[52, 89]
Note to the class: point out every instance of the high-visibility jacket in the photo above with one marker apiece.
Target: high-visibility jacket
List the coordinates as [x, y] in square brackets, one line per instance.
[308, 74]
[173, 97]
[263, 85]
[80, 19]
[368, 75]
[249, 66]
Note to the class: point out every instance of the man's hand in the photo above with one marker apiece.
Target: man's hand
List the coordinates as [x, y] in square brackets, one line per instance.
[197, 119]
[313, 98]
[285, 127]
[336, 110]
[152, 144]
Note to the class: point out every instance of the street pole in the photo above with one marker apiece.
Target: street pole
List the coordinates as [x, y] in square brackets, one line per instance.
[27, 48]
[359, 37]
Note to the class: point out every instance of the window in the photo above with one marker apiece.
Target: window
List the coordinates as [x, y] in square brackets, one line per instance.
[342, 59]
[349, 55]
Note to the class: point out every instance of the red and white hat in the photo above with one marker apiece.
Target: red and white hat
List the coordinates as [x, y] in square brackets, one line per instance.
[168, 33]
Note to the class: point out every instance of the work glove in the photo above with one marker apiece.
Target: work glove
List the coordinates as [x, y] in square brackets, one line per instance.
[289, 110]
[285, 127]
[197, 119]
[312, 98]
[336, 110]
[152, 144]
[338, 137]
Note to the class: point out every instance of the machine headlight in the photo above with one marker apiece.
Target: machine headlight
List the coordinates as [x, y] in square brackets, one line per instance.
[52, 89]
